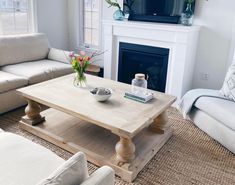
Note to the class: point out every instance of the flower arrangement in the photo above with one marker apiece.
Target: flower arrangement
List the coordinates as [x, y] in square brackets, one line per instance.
[80, 62]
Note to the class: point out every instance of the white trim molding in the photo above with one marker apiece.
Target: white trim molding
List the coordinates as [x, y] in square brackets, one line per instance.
[180, 40]
[33, 16]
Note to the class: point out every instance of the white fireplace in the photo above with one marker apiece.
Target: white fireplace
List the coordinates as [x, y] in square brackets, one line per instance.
[180, 40]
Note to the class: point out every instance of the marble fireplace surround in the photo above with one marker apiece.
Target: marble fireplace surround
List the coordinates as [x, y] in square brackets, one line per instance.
[180, 40]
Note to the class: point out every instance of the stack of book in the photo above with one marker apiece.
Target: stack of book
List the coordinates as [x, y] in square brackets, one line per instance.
[140, 97]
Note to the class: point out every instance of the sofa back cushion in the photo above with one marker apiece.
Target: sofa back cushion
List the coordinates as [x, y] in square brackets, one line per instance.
[59, 55]
[23, 48]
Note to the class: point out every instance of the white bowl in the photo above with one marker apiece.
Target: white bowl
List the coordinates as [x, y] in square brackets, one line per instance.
[103, 97]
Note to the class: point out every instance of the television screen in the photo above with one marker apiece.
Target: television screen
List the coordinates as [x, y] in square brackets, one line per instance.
[172, 8]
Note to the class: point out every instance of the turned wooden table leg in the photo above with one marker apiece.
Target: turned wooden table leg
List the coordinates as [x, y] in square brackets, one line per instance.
[32, 112]
[160, 124]
[125, 150]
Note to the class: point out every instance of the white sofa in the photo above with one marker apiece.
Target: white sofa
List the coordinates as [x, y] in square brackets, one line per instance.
[216, 117]
[213, 111]
[26, 60]
[23, 162]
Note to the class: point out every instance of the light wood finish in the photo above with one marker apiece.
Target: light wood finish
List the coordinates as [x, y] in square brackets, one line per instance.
[122, 116]
[160, 124]
[74, 134]
[78, 122]
[125, 150]
[32, 112]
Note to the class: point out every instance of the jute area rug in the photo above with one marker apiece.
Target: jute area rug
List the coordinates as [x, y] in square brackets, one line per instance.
[190, 156]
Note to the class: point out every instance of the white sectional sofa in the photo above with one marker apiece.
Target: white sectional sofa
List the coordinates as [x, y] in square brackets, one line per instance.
[23, 162]
[26, 60]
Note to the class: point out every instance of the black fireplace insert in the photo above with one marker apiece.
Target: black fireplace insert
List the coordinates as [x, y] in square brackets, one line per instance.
[152, 61]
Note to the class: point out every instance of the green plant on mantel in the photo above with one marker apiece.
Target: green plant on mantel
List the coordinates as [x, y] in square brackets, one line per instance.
[113, 4]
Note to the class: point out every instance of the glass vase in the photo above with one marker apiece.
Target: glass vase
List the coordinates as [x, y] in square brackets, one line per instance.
[80, 80]
[118, 15]
[187, 15]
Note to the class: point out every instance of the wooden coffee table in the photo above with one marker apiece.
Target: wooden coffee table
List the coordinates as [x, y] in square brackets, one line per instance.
[121, 133]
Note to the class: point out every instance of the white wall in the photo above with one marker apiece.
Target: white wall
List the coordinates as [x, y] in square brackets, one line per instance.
[232, 50]
[73, 23]
[52, 16]
[217, 17]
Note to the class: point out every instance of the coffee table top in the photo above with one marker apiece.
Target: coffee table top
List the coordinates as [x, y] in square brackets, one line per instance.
[122, 116]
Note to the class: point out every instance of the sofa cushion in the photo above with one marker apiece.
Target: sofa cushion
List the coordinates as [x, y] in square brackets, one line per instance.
[220, 109]
[59, 55]
[10, 100]
[23, 162]
[17, 49]
[39, 71]
[10, 81]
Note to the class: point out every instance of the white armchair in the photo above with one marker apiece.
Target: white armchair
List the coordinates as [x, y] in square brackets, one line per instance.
[23, 162]
[74, 171]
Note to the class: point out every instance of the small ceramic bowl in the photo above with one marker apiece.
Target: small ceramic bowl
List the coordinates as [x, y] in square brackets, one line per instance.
[101, 94]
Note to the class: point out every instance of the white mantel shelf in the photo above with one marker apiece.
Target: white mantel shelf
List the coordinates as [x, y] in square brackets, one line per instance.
[180, 40]
[151, 25]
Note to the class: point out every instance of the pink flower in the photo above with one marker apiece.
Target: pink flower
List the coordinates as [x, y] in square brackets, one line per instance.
[71, 55]
[82, 52]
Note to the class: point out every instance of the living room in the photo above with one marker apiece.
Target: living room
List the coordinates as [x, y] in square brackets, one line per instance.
[117, 92]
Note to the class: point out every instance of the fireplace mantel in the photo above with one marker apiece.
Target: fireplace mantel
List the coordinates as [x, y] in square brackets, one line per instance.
[180, 40]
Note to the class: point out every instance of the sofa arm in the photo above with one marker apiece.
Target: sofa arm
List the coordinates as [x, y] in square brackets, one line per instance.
[103, 176]
[59, 55]
[72, 171]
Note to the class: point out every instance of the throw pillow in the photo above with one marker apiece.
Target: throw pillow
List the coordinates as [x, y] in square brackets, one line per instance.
[228, 89]
[72, 172]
